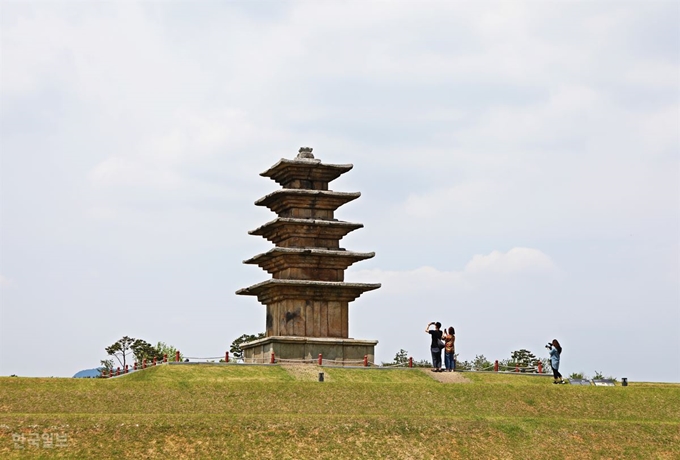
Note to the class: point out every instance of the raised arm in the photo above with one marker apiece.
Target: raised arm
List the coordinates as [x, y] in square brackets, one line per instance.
[427, 329]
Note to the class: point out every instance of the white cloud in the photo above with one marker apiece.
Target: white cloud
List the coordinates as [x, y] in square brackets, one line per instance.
[479, 271]
[515, 261]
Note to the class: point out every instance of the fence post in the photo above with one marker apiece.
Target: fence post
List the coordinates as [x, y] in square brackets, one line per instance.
[154, 360]
[110, 372]
[495, 366]
[104, 373]
[516, 367]
[410, 362]
[126, 368]
[273, 360]
[144, 363]
[540, 367]
[365, 360]
[118, 371]
[226, 356]
[165, 357]
[177, 355]
[320, 359]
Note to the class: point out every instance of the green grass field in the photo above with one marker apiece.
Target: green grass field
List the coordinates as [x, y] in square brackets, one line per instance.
[274, 412]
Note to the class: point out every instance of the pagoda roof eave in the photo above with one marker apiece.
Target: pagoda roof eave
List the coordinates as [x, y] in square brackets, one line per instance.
[314, 252]
[259, 231]
[306, 169]
[323, 199]
[280, 289]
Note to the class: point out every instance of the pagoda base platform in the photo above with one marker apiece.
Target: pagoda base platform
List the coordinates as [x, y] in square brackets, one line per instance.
[348, 352]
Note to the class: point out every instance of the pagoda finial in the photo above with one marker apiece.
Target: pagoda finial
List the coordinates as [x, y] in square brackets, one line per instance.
[305, 153]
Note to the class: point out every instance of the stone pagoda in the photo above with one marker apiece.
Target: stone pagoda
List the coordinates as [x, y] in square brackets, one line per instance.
[307, 298]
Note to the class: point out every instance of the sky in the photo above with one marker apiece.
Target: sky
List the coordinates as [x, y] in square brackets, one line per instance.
[518, 163]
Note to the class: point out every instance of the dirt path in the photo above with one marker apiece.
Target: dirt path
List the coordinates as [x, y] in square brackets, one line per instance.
[306, 372]
[448, 377]
[310, 373]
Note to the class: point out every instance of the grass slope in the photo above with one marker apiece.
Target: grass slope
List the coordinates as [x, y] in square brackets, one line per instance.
[275, 412]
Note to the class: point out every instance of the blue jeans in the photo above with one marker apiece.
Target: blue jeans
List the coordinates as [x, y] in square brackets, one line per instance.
[450, 361]
[436, 357]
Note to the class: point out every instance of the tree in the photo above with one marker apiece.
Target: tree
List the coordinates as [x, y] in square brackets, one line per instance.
[121, 349]
[144, 350]
[523, 358]
[480, 363]
[235, 348]
[140, 349]
[463, 365]
[400, 358]
[107, 364]
[165, 349]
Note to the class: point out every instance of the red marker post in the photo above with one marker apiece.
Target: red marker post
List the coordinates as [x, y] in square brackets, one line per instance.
[320, 359]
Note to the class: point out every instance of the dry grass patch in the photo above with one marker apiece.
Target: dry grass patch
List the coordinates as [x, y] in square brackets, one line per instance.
[306, 372]
[447, 377]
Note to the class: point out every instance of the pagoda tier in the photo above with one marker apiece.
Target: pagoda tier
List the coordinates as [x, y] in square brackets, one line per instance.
[305, 233]
[307, 264]
[307, 308]
[305, 173]
[315, 204]
[307, 298]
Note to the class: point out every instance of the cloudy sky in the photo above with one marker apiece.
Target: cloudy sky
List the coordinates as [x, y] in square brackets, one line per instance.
[518, 162]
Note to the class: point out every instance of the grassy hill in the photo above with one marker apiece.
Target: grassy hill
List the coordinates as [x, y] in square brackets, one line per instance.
[276, 412]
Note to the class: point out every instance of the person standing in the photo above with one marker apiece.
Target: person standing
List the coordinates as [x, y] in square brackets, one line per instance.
[555, 352]
[435, 346]
[450, 350]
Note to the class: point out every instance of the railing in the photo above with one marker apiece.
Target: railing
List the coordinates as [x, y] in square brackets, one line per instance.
[272, 359]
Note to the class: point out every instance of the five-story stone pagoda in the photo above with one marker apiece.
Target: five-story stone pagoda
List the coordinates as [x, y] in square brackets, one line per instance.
[307, 298]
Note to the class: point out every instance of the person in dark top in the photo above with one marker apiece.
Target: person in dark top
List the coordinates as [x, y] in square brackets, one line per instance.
[435, 346]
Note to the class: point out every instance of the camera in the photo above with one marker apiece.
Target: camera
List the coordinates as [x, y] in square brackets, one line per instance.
[548, 345]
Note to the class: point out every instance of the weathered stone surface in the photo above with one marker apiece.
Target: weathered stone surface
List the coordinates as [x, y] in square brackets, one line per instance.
[312, 175]
[305, 233]
[274, 290]
[308, 348]
[307, 263]
[307, 300]
[313, 204]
